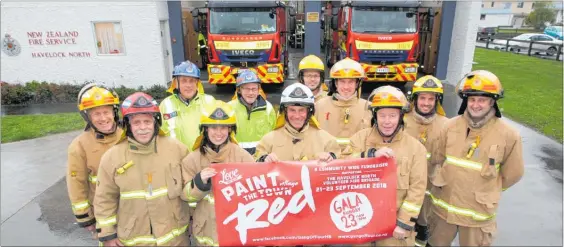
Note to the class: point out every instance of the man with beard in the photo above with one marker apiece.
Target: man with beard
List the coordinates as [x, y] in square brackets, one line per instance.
[255, 115]
[424, 122]
[140, 182]
[99, 108]
[344, 113]
[312, 74]
[297, 135]
[388, 138]
[478, 156]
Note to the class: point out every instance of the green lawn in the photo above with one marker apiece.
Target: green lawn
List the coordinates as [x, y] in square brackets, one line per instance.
[533, 88]
[22, 127]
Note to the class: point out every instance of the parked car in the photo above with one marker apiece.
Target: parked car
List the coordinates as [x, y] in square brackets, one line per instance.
[554, 31]
[549, 44]
[486, 32]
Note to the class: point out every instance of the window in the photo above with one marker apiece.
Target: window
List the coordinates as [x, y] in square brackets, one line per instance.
[533, 6]
[109, 38]
[492, 4]
[507, 6]
[482, 17]
[520, 5]
[543, 38]
[482, 5]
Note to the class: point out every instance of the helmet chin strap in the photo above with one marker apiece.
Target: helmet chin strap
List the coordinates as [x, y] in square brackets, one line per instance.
[210, 144]
[309, 114]
[318, 86]
[100, 134]
[391, 136]
[431, 113]
[428, 114]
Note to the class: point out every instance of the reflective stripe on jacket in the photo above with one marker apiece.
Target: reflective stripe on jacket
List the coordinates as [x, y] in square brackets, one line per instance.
[411, 165]
[470, 181]
[84, 154]
[138, 196]
[204, 229]
[183, 121]
[254, 124]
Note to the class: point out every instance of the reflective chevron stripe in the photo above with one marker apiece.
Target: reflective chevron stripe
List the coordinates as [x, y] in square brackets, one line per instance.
[460, 211]
[141, 194]
[110, 221]
[466, 163]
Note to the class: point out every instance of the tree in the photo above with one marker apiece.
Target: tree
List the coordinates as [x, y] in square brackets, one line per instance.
[542, 13]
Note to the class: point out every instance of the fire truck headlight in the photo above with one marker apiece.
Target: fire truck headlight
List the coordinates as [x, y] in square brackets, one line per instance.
[215, 70]
[411, 70]
[272, 70]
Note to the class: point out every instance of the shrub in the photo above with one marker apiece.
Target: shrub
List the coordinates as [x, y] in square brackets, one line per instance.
[157, 91]
[15, 94]
[35, 92]
[123, 92]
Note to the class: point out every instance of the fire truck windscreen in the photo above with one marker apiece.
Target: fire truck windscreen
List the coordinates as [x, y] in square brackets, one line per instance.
[242, 21]
[393, 20]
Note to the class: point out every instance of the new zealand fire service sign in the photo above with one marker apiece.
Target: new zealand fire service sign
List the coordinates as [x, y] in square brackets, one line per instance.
[305, 203]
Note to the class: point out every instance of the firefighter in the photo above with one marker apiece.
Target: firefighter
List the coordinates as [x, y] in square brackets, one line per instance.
[202, 49]
[255, 115]
[388, 138]
[478, 156]
[297, 135]
[424, 123]
[344, 113]
[98, 106]
[140, 181]
[312, 74]
[216, 144]
[181, 110]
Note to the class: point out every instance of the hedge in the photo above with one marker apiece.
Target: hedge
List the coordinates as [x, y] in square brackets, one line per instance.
[35, 92]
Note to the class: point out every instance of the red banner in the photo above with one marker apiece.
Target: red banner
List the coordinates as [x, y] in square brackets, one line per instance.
[304, 203]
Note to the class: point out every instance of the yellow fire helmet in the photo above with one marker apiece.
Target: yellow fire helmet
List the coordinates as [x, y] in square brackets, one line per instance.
[94, 95]
[388, 97]
[479, 83]
[311, 62]
[347, 68]
[428, 84]
[217, 114]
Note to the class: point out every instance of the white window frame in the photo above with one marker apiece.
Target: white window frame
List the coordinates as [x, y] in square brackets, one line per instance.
[93, 24]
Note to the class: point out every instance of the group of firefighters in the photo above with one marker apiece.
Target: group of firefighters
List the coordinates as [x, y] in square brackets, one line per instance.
[145, 178]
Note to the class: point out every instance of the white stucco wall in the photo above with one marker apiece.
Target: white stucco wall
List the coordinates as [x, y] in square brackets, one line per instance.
[494, 20]
[142, 63]
[463, 42]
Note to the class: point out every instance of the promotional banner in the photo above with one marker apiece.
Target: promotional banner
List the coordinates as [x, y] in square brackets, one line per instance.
[304, 203]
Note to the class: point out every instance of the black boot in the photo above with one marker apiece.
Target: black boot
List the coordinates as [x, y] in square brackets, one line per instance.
[422, 235]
